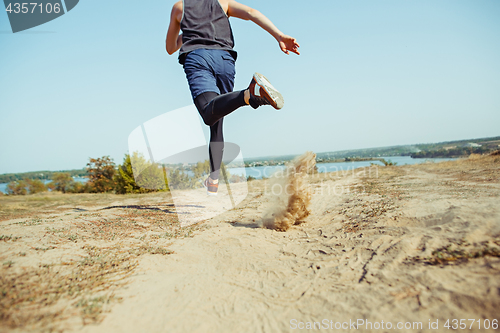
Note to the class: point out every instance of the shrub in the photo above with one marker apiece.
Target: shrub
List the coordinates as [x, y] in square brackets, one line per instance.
[236, 179]
[18, 187]
[77, 187]
[101, 172]
[61, 181]
[388, 163]
[35, 186]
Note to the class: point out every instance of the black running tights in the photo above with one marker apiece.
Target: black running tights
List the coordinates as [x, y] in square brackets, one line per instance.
[213, 108]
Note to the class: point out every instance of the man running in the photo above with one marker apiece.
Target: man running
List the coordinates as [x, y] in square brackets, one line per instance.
[206, 52]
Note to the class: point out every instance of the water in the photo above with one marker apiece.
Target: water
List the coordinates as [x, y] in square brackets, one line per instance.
[266, 171]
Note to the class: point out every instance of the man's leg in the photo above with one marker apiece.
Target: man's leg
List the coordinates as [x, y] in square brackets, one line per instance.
[213, 107]
[210, 75]
[216, 149]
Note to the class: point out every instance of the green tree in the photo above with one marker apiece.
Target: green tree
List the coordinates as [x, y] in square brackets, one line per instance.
[201, 169]
[150, 176]
[179, 180]
[101, 172]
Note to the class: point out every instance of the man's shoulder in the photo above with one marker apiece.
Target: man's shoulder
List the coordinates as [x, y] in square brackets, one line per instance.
[177, 10]
[178, 5]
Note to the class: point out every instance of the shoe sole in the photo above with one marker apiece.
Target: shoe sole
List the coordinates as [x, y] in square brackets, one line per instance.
[275, 95]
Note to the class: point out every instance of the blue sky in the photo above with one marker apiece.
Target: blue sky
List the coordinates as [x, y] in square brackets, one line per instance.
[371, 73]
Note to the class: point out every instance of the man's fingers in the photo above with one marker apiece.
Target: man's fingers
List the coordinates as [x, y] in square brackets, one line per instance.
[289, 45]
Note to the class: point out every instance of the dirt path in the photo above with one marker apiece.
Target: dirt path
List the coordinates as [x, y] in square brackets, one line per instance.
[369, 253]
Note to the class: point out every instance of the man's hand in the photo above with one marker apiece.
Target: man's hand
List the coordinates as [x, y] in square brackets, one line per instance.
[288, 44]
[235, 9]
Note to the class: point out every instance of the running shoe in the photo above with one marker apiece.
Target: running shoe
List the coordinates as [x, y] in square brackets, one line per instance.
[211, 187]
[262, 92]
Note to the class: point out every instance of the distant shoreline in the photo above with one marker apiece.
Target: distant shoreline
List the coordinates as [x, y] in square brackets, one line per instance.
[447, 149]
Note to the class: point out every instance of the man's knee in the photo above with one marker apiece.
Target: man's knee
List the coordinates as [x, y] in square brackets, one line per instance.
[203, 105]
[209, 121]
[207, 116]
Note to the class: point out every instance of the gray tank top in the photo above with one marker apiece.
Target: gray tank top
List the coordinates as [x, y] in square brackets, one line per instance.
[205, 25]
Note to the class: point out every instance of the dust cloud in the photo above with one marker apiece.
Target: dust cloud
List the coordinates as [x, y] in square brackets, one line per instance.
[290, 194]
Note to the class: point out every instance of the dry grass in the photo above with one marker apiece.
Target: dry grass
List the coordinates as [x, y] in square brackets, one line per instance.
[91, 253]
[378, 195]
[41, 286]
[38, 297]
[476, 168]
[453, 254]
[463, 178]
[32, 205]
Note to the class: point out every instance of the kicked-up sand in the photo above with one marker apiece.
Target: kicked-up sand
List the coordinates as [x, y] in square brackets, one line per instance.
[413, 247]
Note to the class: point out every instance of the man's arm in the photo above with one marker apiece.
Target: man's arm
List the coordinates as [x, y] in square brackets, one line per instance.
[287, 44]
[174, 40]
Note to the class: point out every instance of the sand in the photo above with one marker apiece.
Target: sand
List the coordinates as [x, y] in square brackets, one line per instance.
[409, 245]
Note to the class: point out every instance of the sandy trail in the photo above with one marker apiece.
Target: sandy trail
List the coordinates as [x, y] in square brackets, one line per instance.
[353, 258]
